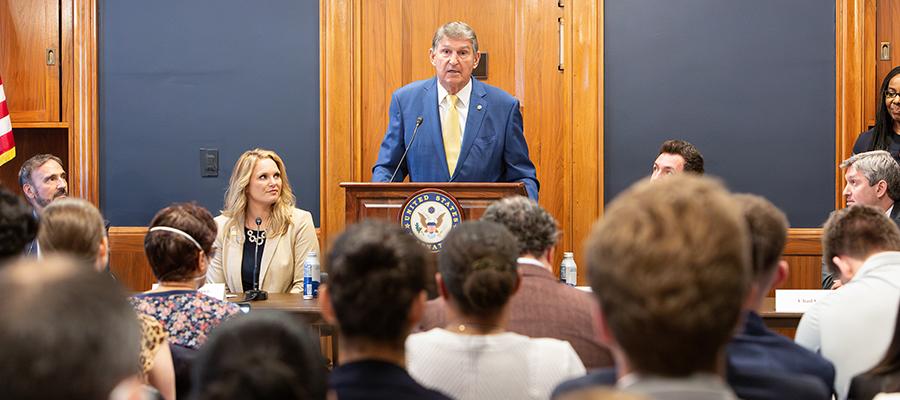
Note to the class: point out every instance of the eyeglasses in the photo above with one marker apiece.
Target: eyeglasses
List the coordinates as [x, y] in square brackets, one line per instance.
[891, 95]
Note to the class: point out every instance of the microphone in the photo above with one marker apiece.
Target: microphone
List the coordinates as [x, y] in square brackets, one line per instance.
[415, 131]
[256, 294]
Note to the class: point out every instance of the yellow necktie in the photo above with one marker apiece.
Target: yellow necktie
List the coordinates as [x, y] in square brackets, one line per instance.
[452, 134]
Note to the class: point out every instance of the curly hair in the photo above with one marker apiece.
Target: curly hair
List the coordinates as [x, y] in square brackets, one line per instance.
[376, 271]
[534, 228]
[693, 160]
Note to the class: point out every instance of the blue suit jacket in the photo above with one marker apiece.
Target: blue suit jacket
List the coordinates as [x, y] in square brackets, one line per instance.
[493, 146]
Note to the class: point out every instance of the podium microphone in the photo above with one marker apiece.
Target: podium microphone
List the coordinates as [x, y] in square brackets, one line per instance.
[403, 157]
[256, 294]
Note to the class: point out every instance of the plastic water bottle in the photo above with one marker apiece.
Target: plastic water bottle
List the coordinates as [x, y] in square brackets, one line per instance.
[571, 270]
[312, 275]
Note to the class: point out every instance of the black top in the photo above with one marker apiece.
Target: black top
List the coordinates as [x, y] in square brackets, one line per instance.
[249, 269]
[864, 143]
[373, 379]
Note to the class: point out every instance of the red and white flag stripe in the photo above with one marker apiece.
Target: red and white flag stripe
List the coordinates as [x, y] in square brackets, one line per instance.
[7, 144]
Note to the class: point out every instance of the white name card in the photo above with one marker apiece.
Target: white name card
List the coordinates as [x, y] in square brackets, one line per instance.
[797, 301]
[214, 290]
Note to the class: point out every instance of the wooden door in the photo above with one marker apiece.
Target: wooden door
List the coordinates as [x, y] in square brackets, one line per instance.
[373, 47]
[28, 29]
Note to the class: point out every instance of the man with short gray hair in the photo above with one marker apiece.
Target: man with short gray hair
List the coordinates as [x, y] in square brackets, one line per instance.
[543, 306]
[468, 131]
[873, 179]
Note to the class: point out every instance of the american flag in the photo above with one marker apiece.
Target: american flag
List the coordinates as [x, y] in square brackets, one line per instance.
[7, 144]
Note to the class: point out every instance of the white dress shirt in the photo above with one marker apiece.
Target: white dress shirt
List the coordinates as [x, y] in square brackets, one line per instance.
[853, 326]
[462, 105]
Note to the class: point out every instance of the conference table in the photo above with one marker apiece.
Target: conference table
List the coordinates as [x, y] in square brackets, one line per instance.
[310, 312]
[307, 310]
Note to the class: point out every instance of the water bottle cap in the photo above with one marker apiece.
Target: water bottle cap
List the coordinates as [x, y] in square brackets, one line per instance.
[568, 254]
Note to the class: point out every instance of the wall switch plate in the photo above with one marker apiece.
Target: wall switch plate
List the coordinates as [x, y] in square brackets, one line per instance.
[209, 162]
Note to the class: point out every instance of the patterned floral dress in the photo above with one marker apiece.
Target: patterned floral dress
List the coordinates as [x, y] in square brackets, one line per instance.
[187, 315]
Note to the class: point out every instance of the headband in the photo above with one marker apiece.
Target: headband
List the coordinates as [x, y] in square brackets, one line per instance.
[177, 232]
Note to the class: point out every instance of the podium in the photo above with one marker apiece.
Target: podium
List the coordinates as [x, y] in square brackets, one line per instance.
[385, 200]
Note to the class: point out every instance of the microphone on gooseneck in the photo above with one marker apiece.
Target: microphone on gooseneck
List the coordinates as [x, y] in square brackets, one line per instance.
[413, 139]
[256, 294]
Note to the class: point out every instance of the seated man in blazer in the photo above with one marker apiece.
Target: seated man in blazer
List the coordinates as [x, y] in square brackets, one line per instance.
[468, 131]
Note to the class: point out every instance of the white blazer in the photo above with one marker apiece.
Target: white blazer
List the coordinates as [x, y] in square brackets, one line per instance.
[281, 269]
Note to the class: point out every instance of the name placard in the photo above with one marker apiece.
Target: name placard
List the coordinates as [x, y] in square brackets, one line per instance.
[797, 301]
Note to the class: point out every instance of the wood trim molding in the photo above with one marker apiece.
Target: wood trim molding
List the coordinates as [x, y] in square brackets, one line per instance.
[804, 242]
[854, 28]
[337, 34]
[83, 143]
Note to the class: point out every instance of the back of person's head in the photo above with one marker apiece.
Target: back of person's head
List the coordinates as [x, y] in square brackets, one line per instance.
[68, 332]
[669, 264]
[172, 253]
[74, 227]
[478, 267]
[693, 160]
[768, 227]
[876, 166]
[18, 227]
[534, 228]
[858, 231]
[261, 355]
[375, 273]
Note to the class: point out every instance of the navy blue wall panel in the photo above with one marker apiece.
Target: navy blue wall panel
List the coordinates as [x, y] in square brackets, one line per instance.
[750, 83]
[177, 76]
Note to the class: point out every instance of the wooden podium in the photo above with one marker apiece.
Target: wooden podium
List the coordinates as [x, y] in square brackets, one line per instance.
[384, 200]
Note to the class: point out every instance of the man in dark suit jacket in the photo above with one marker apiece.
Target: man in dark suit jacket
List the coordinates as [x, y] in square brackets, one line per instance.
[756, 348]
[43, 179]
[873, 179]
[468, 131]
[543, 306]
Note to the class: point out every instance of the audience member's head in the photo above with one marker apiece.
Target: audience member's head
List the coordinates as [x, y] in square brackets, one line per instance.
[18, 227]
[179, 243]
[477, 268]
[68, 333]
[43, 179]
[853, 234]
[74, 227]
[259, 177]
[872, 179]
[261, 355]
[768, 227]
[376, 282]
[669, 264]
[676, 156]
[534, 228]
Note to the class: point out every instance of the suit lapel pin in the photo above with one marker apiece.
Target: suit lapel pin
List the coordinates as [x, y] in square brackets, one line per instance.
[478, 107]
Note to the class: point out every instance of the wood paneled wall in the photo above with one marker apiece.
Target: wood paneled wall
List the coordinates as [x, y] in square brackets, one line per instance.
[371, 48]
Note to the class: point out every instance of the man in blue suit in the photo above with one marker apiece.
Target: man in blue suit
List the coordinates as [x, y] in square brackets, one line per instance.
[468, 131]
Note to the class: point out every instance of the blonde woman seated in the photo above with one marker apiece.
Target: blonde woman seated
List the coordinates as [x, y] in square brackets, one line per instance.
[263, 239]
[75, 227]
[474, 357]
